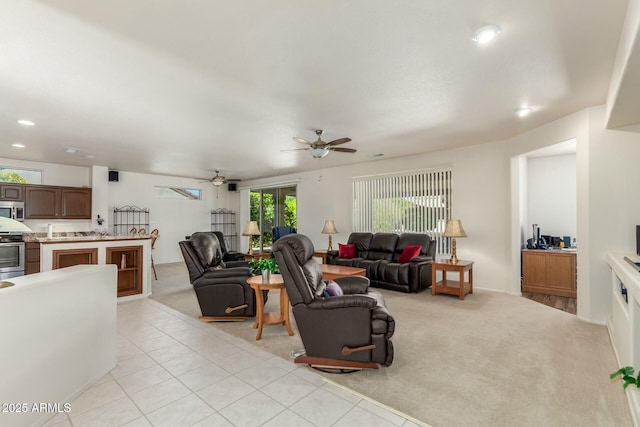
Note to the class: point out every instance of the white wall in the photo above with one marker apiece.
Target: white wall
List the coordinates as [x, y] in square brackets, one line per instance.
[174, 218]
[483, 197]
[552, 195]
[480, 189]
[606, 169]
[54, 174]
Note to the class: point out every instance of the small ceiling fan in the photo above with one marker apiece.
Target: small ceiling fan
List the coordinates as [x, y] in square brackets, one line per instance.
[319, 148]
[219, 180]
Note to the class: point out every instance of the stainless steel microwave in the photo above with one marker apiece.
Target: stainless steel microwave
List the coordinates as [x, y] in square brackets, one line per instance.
[13, 210]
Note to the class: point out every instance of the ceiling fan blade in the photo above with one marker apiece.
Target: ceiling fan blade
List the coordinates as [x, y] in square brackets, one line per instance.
[342, 150]
[338, 141]
[303, 141]
[296, 149]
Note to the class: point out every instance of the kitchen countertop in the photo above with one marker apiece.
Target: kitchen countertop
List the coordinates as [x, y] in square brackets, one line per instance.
[79, 237]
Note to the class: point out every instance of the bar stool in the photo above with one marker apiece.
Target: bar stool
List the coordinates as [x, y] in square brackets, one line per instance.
[154, 236]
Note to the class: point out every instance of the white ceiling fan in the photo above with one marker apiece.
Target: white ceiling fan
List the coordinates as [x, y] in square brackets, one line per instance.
[220, 180]
[320, 148]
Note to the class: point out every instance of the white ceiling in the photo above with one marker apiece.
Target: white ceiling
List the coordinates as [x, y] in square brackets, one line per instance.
[183, 88]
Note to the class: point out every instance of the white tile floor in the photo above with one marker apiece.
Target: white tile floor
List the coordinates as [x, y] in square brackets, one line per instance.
[176, 371]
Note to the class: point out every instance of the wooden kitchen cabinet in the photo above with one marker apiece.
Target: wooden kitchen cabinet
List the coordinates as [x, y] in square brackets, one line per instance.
[75, 203]
[550, 272]
[12, 192]
[41, 202]
[32, 258]
[52, 202]
[68, 257]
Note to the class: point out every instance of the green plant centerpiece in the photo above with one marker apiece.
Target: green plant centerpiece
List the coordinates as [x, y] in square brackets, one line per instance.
[262, 264]
[627, 377]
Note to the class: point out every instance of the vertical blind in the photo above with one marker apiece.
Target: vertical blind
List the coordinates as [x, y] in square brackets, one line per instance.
[412, 202]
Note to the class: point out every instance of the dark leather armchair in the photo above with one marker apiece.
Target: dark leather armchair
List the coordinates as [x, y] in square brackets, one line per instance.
[230, 256]
[222, 291]
[352, 331]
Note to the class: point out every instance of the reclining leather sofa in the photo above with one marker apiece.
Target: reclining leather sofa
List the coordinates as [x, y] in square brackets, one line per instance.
[380, 253]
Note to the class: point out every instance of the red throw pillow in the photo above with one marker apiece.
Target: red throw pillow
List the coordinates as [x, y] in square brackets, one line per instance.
[409, 252]
[346, 251]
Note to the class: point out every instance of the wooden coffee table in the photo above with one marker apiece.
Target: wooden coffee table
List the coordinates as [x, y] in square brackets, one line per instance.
[330, 271]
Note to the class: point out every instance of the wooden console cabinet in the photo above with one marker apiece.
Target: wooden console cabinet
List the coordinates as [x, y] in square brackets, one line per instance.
[551, 272]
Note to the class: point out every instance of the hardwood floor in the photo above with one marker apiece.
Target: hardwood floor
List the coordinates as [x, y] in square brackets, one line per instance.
[561, 303]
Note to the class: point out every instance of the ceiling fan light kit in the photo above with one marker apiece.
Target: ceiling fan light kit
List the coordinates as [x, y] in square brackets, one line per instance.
[319, 153]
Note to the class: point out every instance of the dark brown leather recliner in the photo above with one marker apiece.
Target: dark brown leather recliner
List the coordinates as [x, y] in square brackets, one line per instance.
[236, 258]
[351, 331]
[223, 292]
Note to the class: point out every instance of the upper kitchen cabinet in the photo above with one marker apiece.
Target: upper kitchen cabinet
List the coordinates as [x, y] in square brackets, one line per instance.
[75, 203]
[12, 192]
[51, 202]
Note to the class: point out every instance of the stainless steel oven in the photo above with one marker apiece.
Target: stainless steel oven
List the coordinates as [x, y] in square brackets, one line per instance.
[13, 210]
[11, 256]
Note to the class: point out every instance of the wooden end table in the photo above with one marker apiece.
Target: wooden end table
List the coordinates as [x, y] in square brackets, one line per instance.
[274, 318]
[322, 254]
[452, 287]
[257, 255]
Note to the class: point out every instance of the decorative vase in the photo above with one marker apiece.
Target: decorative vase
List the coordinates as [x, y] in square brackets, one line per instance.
[266, 276]
[123, 262]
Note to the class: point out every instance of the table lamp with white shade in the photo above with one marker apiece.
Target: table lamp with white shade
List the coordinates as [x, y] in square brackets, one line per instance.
[454, 229]
[251, 230]
[329, 228]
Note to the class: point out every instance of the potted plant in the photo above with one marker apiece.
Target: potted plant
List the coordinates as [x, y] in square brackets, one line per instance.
[266, 266]
[627, 377]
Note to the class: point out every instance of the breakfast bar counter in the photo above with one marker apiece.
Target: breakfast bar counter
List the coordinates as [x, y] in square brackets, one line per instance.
[130, 253]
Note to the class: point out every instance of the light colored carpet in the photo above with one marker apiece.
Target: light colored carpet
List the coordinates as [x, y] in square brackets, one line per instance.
[490, 360]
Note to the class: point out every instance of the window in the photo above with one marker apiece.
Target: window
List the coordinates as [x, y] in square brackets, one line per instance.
[414, 202]
[272, 207]
[177, 193]
[21, 176]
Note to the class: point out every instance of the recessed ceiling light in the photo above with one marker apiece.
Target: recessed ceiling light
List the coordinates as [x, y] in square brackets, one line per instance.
[26, 122]
[521, 112]
[90, 156]
[71, 150]
[18, 145]
[486, 34]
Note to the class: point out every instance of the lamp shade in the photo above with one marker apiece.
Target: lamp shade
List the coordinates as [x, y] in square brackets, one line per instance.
[251, 229]
[454, 229]
[329, 227]
[8, 225]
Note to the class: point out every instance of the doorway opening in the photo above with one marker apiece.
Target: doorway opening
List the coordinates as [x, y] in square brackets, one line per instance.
[547, 220]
